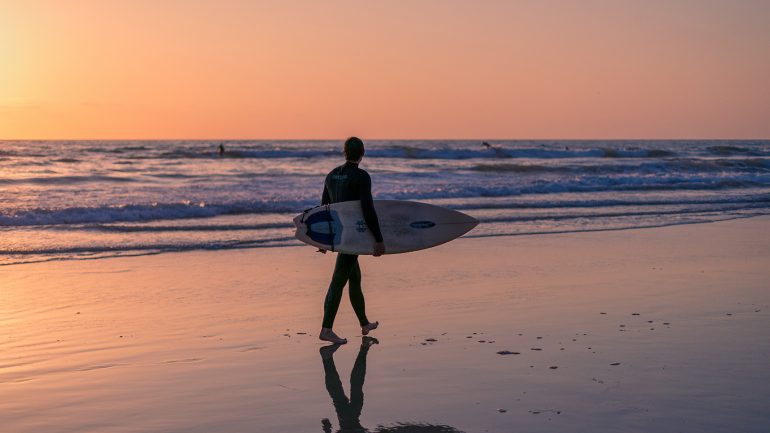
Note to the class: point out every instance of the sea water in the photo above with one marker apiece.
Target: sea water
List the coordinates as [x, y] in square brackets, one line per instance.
[94, 199]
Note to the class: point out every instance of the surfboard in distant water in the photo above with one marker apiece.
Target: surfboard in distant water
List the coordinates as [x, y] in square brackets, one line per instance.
[405, 225]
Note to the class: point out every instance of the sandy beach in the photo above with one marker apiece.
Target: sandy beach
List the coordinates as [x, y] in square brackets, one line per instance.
[648, 330]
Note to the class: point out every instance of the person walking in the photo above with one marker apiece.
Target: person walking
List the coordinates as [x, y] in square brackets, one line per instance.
[348, 182]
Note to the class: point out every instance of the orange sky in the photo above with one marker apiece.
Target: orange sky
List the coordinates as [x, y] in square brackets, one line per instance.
[384, 69]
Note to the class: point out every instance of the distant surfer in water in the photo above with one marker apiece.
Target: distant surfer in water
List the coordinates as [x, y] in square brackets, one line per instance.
[347, 183]
[221, 149]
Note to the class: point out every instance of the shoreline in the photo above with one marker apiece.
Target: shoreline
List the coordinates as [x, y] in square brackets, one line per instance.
[471, 236]
[227, 340]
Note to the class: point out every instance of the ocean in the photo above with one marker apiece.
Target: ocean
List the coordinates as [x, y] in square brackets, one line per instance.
[64, 200]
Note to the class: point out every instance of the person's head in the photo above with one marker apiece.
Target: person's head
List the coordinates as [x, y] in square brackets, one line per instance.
[354, 149]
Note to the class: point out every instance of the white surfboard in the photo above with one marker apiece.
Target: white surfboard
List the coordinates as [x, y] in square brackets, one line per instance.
[405, 225]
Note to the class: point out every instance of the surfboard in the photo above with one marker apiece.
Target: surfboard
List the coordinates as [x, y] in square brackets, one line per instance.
[405, 225]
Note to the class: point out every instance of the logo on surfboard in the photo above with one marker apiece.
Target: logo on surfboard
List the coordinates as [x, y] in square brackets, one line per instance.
[360, 226]
[422, 224]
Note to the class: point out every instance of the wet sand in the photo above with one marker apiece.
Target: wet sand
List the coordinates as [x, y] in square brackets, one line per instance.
[651, 330]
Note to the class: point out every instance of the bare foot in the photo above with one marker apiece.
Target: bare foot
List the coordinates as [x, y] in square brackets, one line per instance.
[327, 334]
[369, 327]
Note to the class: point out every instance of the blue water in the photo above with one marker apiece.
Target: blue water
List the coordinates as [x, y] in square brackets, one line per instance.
[92, 199]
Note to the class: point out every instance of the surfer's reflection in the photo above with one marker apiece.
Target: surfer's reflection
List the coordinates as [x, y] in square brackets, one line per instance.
[349, 410]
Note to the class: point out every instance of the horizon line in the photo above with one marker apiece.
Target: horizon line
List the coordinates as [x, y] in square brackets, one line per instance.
[390, 139]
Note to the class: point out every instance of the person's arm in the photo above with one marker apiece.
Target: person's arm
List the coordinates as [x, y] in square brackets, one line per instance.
[325, 199]
[367, 206]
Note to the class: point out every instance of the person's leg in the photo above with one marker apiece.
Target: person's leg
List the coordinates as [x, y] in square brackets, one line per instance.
[341, 274]
[357, 300]
[356, 295]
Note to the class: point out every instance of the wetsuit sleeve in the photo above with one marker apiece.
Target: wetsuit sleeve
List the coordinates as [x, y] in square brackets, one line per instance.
[367, 206]
[325, 199]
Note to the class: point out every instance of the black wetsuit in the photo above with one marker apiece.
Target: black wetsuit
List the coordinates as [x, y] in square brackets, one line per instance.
[346, 183]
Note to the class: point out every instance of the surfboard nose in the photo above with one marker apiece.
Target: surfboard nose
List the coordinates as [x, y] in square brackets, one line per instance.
[465, 223]
[469, 219]
[465, 220]
[475, 222]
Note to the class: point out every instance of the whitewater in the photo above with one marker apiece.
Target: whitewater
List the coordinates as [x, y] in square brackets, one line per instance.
[97, 199]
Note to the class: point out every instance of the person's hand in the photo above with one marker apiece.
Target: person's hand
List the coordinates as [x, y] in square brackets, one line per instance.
[321, 250]
[379, 249]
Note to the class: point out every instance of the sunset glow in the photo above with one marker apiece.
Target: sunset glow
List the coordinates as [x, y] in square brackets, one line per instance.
[426, 69]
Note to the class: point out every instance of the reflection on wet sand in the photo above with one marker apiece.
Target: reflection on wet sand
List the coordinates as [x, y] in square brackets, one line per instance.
[349, 409]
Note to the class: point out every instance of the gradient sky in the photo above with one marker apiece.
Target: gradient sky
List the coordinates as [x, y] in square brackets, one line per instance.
[384, 69]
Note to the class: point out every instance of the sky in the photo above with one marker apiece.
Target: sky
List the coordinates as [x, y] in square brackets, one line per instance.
[418, 69]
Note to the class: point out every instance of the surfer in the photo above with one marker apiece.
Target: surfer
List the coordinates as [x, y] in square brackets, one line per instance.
[346, 183]
[221, 149]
